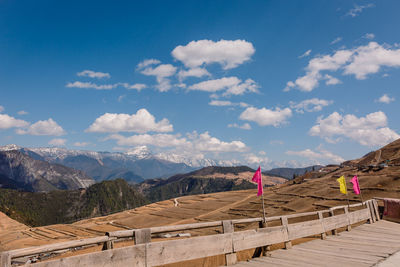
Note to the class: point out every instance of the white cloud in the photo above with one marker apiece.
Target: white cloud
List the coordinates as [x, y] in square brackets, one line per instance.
[254, 160]
[229, 54]
[306, 54]
[331, 80]
[7, 122]
[337, 40]
[81, 144]
[220, 103]
[369, 36]
[385, 99]
[57, 142]
[310, 105]
[244, 126]
[161, 72]
[195, 72]
[193, 143]
[90, 85]
[370, 130]
[264, 116]
[370, 58]
[1, 108]
[148, 62]
[317, 156]
[93, 74]
[356, 10]
[141, 122]
[360, 62]
[47, 127]
[22, 112]
[136, 86]
[231, 86]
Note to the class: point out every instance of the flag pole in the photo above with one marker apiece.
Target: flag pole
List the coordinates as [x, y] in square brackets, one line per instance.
[262, 199]
[348, 202]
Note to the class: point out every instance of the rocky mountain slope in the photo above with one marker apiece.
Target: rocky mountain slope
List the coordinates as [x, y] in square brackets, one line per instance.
[20, 171]
[290, 173]
[65, 206]
[204, 181]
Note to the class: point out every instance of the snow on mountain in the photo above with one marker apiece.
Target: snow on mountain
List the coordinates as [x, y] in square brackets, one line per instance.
[9, 147]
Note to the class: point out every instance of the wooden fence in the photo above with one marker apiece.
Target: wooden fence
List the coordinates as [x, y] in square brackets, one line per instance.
[147, 253]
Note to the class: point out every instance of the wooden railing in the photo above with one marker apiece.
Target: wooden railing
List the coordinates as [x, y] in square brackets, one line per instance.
[147, 253]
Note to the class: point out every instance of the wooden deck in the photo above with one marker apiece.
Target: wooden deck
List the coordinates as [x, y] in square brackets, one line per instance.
[365, 245]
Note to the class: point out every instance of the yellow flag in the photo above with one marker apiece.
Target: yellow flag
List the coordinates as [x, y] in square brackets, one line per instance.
[342, 182]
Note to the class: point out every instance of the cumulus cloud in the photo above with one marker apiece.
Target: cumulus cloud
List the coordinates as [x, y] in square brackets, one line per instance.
[360, 62]
[310, 105]
[22, 112]
[1, 108]
[7, 122]
[141, 122]
[57, 142]
[230, 86]
[318, 156]
[90, 85]
[264, 116]
[254, 160]
[194, 142]
[385, 99]
[229, 54]
[161, 72]
[306, 54]
[195, 72]
[93, 74]
[357, 9]
[244, 126]
[370, 130]
[46, 127]
[220, 103]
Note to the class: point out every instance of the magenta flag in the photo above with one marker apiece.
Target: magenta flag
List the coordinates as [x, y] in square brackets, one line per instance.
[258, 179]
[356, 185]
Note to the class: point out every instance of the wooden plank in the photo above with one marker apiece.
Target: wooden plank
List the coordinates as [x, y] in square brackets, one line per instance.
[375, 205]
[159, 253]
[314, 258]
[335, 222]
[361, 248]
[304, 229]
[343, 255]
[5, 259]
[371, 239]
[127, 256]
[142, 236]
[265, 261]
[227, 227]
[383, 233]
[358, 216]
[352, 242]
[262, 237]
[284, 221]
[58, 246]
[332, 214]
[321, 220]
[371, 210]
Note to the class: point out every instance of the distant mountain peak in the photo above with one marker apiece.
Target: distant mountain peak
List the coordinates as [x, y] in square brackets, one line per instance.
[9, 147]
[140, 152]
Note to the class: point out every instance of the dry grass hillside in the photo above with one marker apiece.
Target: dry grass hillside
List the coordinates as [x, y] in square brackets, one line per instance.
[313, 191]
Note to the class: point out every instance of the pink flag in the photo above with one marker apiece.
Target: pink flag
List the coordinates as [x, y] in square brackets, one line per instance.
[258, 179]
[356, 185]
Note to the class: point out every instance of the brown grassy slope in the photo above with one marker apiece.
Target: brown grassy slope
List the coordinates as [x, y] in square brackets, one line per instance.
[313, 191]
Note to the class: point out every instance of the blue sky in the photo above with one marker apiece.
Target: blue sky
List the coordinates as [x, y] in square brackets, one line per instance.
[276, 83]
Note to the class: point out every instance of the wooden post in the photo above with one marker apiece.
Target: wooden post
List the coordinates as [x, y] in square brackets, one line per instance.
[5, 259]
[321, 219]
[375, 204]
[228, 227]
[108, 245]
[372, 211]
[331, 212]
[346, 211]
[284, 221]
[264, 250]
[142, 236]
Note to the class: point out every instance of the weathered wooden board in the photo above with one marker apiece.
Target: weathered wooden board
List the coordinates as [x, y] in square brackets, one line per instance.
[303, 229]
[127, 256]
[358, 216]
[262, 237]
[335, 222]
[159, 253]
